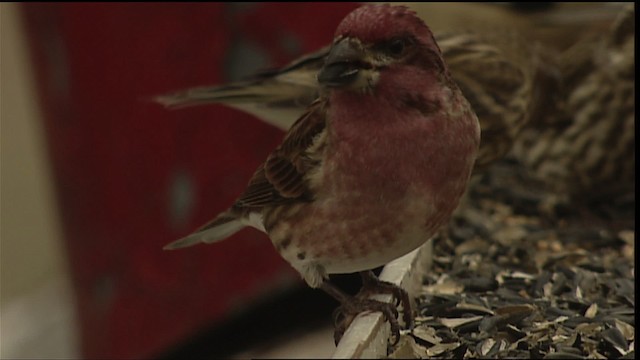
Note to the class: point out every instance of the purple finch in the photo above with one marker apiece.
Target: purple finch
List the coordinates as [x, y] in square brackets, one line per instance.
[372, 168]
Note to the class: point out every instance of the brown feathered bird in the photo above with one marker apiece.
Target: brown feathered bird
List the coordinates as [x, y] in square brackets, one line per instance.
[585, 146]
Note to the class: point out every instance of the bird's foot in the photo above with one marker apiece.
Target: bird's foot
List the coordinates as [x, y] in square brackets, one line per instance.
[343, 316]
[372, 285]
[351, 306]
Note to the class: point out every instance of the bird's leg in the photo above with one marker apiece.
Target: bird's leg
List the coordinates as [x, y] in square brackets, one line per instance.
[372, 285]
[351, 306]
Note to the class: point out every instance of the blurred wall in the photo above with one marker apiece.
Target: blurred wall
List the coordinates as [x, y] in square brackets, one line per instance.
[131, 176]
[35, 312]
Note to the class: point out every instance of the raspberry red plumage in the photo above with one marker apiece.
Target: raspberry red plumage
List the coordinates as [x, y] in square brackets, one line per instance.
[374, 166]
[372, 23]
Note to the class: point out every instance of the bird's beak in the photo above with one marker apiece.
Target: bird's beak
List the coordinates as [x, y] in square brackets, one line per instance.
[342, 65]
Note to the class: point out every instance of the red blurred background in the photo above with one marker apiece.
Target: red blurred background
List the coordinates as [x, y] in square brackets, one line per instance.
[131, 176]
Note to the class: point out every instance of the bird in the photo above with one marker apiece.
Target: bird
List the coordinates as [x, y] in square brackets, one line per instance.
[371, 169]
[583, 146]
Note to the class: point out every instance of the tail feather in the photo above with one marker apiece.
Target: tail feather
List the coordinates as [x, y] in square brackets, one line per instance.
[219, 228]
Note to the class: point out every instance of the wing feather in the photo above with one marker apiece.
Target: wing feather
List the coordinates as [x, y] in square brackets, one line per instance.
[282, 178]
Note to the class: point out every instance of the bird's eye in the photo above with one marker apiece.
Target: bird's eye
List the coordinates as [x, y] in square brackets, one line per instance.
[396, 47]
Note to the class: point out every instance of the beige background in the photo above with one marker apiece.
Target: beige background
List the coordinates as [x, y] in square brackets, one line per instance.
[35, 305]
[36, 315]
[29, 230]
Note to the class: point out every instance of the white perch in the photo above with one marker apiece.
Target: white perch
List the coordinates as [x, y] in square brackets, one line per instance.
[369, 333]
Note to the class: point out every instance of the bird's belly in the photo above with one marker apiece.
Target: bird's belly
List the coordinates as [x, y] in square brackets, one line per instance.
[375, 248]
[359, 232]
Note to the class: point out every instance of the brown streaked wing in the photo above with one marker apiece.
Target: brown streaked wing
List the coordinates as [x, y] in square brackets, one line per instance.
[281, 179]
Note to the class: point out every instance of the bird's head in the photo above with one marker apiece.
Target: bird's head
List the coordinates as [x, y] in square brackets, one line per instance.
[375, 42]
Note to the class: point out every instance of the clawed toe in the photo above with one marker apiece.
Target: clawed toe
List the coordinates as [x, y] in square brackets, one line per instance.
[343, 316]
[351, 306]
[373, 285]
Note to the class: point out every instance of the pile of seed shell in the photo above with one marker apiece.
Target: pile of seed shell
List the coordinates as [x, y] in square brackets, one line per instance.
[522, 274]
